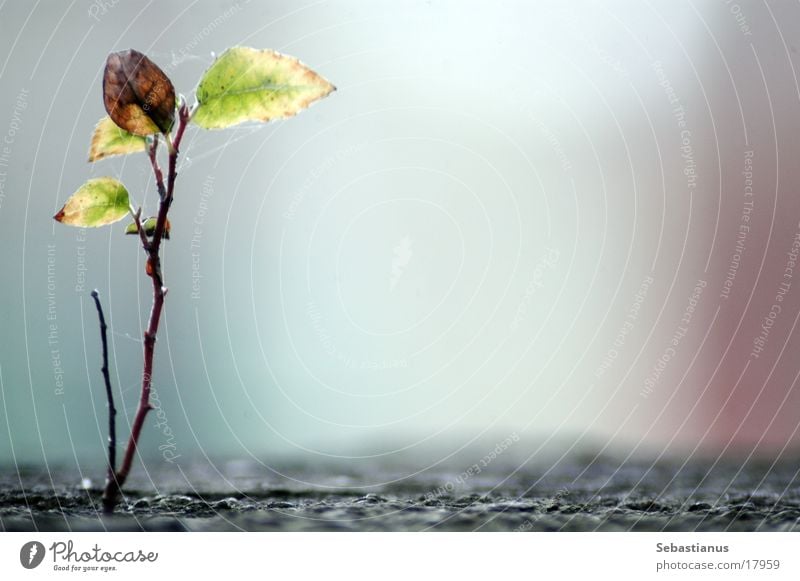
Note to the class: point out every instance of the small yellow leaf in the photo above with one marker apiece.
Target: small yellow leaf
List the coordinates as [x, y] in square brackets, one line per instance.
[108, 140]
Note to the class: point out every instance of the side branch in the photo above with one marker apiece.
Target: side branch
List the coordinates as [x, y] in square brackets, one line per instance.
[111, 477]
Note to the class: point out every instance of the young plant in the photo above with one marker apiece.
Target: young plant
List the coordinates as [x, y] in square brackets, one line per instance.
[243, 84]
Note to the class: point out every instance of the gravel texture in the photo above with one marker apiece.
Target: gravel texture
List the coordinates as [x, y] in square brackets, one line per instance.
[583, 494]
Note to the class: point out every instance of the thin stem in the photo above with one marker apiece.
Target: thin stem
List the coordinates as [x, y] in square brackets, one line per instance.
[162, 193]
[152, 249]
[111, 478]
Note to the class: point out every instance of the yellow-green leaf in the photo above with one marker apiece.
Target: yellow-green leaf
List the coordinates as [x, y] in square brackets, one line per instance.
[98, 202]
[108, 140]
[245, 84]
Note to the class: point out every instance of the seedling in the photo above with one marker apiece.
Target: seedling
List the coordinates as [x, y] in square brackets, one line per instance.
[242, 85]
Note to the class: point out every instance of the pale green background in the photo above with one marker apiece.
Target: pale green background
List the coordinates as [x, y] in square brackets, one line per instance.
[442, 252]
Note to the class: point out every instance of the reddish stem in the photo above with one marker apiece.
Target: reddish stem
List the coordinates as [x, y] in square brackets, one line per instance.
[152, 249]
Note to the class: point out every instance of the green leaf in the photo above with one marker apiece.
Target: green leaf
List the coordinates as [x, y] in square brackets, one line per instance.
[149, 226]
[245, 84]
[98, 202]
[132, 228]
[108, 140]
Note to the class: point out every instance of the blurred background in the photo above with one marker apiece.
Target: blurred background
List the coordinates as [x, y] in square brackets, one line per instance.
[571, 225]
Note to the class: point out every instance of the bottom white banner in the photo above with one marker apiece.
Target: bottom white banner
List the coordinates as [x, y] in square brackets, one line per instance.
[373, 556]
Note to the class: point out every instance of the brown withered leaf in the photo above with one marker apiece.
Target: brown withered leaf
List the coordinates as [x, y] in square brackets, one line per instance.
[138, 96]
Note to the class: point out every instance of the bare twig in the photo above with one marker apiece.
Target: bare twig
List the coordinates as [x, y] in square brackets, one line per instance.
[109, 500]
